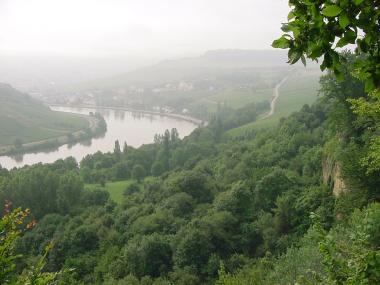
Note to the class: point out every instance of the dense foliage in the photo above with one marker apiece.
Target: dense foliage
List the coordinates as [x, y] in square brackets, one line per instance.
[210, 208]
[12, 224]
[318, 29]
[294, 204]
[314, 26]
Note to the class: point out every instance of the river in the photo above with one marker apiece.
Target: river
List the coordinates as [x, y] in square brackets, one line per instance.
[134, 128]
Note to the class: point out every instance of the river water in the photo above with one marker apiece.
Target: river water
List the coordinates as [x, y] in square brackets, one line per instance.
[134, 128]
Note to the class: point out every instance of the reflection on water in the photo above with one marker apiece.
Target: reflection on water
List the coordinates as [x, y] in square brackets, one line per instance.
[86, 142]
[131, 127]
[18, 158]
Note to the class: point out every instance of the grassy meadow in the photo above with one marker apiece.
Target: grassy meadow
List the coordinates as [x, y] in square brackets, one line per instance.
[299, 89]
[115, 189]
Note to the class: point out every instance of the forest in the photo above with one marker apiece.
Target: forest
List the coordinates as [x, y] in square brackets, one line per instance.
[294, 204]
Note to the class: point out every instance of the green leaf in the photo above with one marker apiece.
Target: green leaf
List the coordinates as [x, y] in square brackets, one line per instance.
[327, 62]
[363, 46]
[315, 51]
[344, 21]
[294, 56]
[285, 28]
[350, 36]
[281, 43]
[338, 74]
[291, 15]
[341, 43]
[357, 2]
[344, 3]
[331, 11]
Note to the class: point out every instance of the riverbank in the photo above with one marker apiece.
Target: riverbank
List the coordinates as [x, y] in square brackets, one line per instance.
[190, 119]
[126, 127]
[96, 126]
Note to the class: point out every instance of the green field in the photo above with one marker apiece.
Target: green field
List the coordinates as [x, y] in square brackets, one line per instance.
[300, 89]
[115, 189]
[236, 98]
[28, 120]
[232, 97]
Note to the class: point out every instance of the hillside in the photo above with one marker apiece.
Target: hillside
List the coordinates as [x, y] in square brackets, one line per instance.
[211, 209]
[27, 120]
[300, 88]
[195, 85]
[217, 63]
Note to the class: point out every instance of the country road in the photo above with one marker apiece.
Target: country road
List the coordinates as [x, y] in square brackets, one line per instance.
[275, 96]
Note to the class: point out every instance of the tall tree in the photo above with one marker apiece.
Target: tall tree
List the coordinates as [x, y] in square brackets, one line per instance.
[117, 150]
[166, 150]
[138, 172]
[174, 135]
[125, 148]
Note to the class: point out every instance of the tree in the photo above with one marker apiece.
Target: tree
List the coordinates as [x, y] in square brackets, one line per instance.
[312, 31]
[117, 150]
[314, 26]
[86, 174]
[270, 187]
[101, 179]
[138, 172]
[238, 200]
[180, 204]
[157, 168]
[69, 191]
[125, 148]
[193, 183]
[131, 188]
[166, 150]
[174, 135]
[151, 255]
[121, 170]
[194, 249]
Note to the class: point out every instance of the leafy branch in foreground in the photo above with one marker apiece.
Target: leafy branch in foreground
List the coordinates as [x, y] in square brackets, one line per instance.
[318, 29]
[349, 254]
[12, 226]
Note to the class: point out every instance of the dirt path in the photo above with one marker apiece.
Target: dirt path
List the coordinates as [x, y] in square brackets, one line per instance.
[275, 96]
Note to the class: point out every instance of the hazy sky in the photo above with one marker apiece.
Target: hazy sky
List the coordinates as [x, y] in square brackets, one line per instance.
[137, 27]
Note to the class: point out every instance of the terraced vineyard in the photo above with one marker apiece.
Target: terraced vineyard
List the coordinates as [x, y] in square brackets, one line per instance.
[27, 120]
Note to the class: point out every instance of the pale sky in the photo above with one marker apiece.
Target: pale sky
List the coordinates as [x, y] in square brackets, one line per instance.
[137, 27]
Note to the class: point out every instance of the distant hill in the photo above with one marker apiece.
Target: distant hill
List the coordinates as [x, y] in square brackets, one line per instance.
[253, 58]
[25, 119]
[214, 63]
[195, 85]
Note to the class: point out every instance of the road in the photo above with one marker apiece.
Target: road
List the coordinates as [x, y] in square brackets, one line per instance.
[275, 96]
